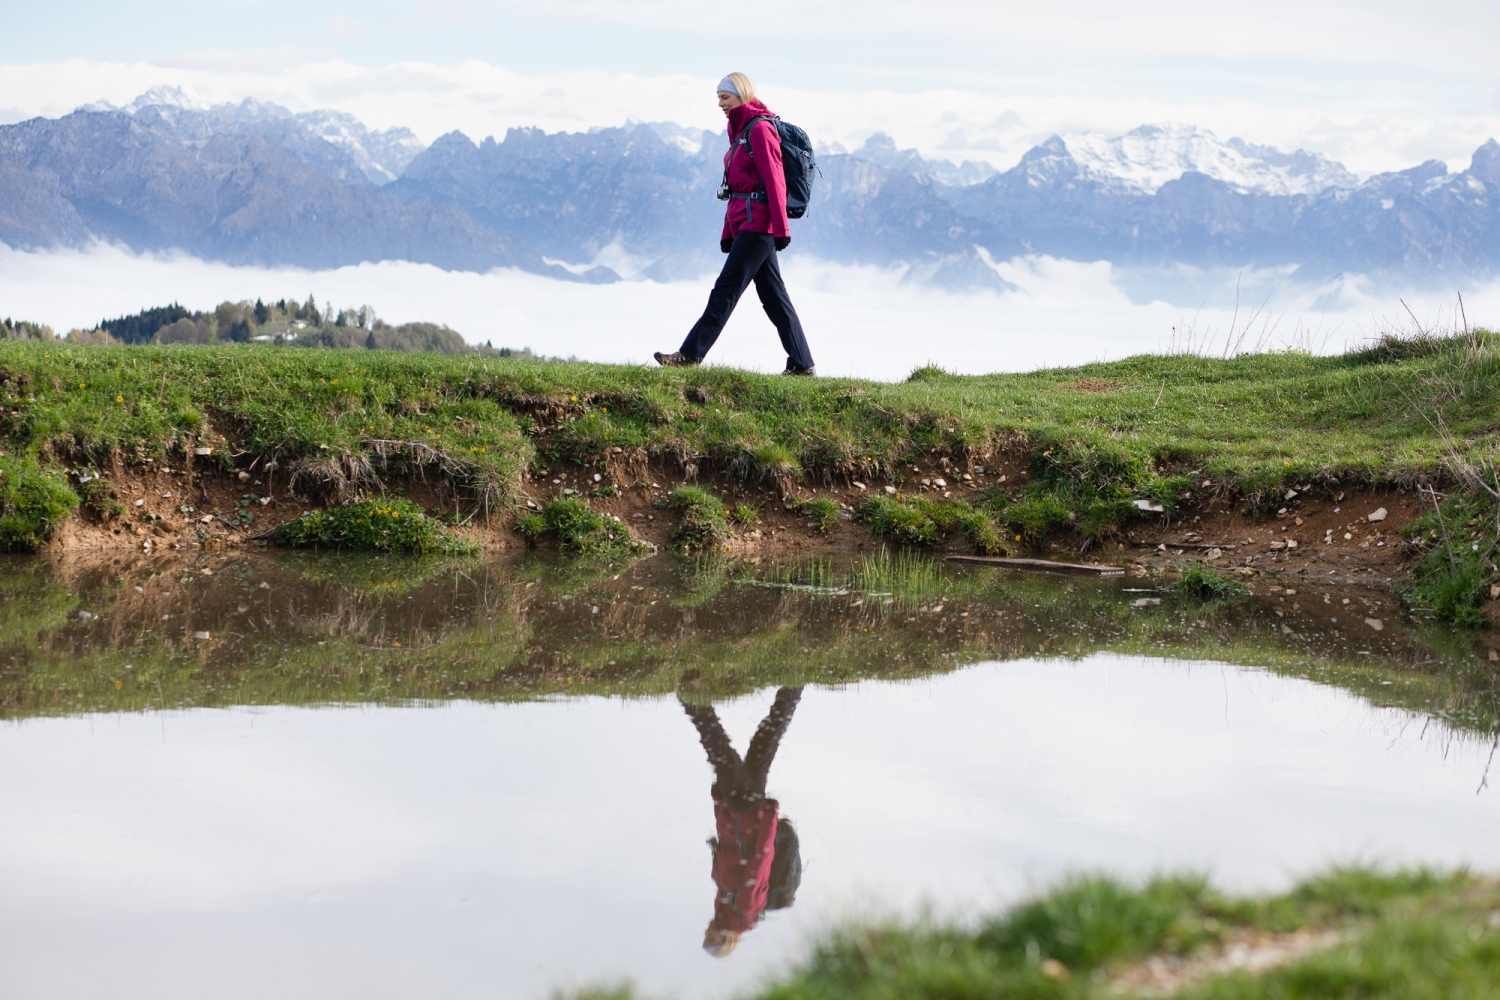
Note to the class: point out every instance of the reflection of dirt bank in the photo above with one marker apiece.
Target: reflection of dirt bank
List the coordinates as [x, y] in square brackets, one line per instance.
[102, 630]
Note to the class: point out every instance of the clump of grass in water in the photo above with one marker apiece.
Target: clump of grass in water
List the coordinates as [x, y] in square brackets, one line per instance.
[704, 526]
[579, 528]
[1457, 542]
[903, 523]
[33, 501]
[903, 575]
[1204, 583]
[823, 511]
[920, 521]
[383, 525]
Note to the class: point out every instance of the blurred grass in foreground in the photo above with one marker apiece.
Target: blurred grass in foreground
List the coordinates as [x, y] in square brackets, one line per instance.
[1348, 933]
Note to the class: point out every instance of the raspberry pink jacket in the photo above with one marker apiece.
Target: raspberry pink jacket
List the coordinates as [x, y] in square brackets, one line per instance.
[742, 863]
[755, 168]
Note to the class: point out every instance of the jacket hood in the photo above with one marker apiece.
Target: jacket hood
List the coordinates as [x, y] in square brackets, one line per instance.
[742, 114]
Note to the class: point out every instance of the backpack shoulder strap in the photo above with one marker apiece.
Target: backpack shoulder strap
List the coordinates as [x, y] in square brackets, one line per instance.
[744, 139]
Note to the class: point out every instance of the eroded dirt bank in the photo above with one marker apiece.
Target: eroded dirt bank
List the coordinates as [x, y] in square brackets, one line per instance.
[1337, 535]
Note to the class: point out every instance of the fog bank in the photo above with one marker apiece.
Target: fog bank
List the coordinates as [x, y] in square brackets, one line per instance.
[861, 321]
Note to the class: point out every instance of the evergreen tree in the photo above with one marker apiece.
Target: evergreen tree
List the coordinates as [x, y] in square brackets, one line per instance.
[141, 327]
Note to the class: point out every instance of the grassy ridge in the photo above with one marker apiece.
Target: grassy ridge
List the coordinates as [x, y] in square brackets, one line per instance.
[1097, 435]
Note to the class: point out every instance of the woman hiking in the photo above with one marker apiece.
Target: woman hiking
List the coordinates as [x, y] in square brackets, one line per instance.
[755, 228]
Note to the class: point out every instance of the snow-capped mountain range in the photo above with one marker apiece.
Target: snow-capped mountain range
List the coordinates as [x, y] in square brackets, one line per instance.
[1145, 158]
[380, 156]
[255, 182]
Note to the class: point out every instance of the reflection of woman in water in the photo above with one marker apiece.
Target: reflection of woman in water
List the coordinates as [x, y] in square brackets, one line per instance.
[757, 863]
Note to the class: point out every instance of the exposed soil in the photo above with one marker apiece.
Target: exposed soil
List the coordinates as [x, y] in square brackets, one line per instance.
[1306, 540]
[644, 485]
[175, 507]
[1316, 536]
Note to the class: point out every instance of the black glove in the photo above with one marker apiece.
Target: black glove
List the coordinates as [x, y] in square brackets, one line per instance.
[782, 242]
[724, 245]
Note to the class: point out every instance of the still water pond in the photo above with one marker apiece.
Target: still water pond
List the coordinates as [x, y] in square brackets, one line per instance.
[331, 777]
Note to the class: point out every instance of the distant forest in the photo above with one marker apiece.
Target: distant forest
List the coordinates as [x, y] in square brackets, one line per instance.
[283, 323]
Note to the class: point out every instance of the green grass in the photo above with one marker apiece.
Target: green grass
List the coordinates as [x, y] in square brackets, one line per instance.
[1457, 545]
[745, 514]
[579, 528]
[704, 527]
[919, 521]
[34, 499]
[1401, 935]
[1203, 583]
[390, 524]
[823, 511]
[1161, 428]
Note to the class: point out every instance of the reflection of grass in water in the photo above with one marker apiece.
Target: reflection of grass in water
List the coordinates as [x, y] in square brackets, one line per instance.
[901, 574]
[34, 601]
[1376, 935]
[572, 575]
[393, 574]
[703, 581]
[529, 629]
[340, 669]
[913, 578]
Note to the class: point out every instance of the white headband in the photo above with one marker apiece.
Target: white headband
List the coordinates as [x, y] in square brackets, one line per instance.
[726, 86]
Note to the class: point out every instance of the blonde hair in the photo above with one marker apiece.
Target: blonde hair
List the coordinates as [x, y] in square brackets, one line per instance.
[744, 85]
[720, 943]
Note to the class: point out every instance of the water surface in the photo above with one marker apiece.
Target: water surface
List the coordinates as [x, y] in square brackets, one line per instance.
[327, 776]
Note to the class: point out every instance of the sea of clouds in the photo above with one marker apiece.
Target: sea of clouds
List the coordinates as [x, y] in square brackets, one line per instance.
[861, 321]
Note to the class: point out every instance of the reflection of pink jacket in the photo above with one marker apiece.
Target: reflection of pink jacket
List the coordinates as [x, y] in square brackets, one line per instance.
[742, 863]
[747, 173]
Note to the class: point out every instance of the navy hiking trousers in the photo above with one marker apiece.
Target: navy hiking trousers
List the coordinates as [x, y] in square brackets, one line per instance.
[752, 257]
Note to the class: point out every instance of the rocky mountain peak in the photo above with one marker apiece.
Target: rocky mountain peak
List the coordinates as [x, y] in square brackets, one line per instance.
[1486, 163]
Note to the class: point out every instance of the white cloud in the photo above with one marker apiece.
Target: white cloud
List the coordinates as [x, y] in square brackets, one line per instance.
[1338, 32]
[860, 321]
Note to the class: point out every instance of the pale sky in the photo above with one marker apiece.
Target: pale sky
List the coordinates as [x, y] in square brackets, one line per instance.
[1377, 85]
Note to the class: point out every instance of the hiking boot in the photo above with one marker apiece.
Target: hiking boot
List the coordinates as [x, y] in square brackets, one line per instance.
[675, 360]
[795, 369]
